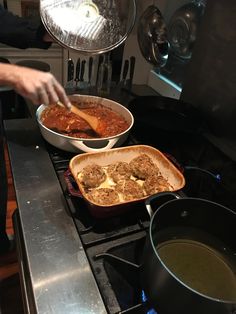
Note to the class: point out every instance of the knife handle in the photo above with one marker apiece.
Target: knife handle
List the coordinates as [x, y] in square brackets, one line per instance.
[100, 61]
[70, 70]
[82, 70]
[132, 65]
[77, 71]
[125, 70]
[90, 69]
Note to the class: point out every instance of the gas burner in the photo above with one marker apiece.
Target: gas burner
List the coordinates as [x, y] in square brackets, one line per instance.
[144, 300]
[116, 267]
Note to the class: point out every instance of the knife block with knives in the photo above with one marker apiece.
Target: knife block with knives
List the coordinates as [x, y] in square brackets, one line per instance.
[79, 76]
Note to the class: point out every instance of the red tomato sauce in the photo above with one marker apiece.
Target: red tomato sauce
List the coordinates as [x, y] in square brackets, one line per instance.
[64, 122]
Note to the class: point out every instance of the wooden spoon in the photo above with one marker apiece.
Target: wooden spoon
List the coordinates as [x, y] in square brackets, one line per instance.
[91, 120]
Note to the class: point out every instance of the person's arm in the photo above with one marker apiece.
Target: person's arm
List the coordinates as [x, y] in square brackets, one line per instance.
[39, 87]
[22, 32]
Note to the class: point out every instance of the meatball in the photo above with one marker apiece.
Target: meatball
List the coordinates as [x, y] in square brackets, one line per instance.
[156, 183]
[92, 176]
[103, 196]
[143, 166]
[129, 189]
[119, 171]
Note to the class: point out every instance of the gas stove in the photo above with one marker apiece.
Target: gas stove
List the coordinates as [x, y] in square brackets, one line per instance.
[114, 245]
[64, 249]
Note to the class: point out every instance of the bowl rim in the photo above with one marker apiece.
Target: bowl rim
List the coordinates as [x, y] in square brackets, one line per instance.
[42, 107]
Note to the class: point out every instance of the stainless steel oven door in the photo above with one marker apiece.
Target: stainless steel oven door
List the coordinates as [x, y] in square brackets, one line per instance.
[25, 282]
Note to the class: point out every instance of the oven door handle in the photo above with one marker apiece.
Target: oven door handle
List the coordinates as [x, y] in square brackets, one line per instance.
[21, 262]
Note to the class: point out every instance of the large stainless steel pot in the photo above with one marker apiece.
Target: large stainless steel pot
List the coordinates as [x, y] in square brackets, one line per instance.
[77, 145]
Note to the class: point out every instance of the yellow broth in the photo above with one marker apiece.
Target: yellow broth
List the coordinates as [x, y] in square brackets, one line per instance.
[199, 267]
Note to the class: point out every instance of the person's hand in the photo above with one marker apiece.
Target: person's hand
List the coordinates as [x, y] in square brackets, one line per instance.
[39, 87]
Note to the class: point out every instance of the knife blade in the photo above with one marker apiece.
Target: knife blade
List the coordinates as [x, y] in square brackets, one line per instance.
[82, 71]
[90, 70]
[131, 71]
[124, 73]
[100, 61]
[129, 82]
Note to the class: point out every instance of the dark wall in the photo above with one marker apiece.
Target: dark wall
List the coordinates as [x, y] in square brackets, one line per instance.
[210, 81]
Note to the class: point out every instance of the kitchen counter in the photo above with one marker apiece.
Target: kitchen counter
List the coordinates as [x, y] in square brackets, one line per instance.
[55, 273]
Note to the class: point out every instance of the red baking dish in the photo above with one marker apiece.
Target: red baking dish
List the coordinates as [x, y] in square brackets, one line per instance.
[125, 154]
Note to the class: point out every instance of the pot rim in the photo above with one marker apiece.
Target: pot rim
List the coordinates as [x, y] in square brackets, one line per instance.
[159, 258]
[87, 139]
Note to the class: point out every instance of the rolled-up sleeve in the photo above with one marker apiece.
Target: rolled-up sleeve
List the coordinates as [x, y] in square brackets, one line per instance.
[21, 32]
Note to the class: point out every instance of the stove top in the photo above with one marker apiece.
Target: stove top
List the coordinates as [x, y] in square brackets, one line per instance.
[114, 245]
[116, 264]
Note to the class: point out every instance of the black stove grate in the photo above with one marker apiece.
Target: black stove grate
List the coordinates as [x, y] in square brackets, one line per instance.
[116, 264]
